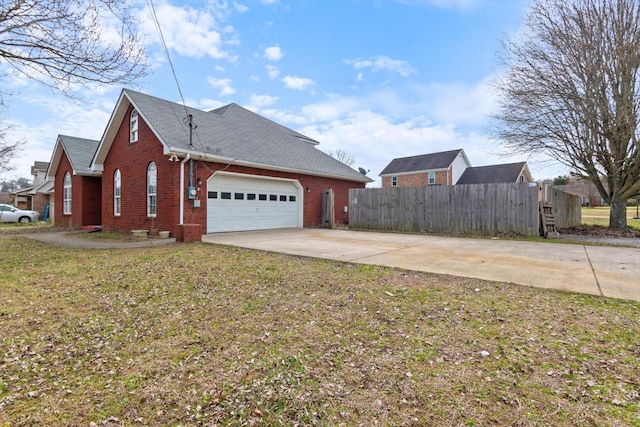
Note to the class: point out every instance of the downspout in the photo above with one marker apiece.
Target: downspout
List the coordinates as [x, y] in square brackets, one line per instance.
[185, 160]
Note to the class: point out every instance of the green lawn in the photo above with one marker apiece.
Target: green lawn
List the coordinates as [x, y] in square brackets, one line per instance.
[600, 216]
[208, 335]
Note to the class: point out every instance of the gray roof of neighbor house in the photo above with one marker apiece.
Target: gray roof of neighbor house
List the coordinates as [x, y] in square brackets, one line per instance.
[492, 174]
[230, 134]
[423, 162]
[39, 166]
[79, 151]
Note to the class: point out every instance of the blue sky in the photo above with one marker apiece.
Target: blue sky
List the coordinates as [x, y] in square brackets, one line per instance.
[378, 79]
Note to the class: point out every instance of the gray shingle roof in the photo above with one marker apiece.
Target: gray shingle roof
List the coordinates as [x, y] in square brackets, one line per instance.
[493, 174]
[237, 134]
[80, 152]
[423, 162]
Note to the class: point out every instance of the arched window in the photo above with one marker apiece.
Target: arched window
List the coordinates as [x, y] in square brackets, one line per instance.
[152, 189]
[133, 126]
[117, 192]
[66, 195]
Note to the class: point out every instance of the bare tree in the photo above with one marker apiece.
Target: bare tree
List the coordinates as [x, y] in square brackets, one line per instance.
[60, 43]
[8, 150]
[572, 92]
[343, 156]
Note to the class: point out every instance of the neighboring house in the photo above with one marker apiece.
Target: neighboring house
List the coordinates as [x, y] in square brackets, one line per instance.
[160, 165]
[443, 168]
[496, 174]
[586, 190]
[449, 168]
[39, 195]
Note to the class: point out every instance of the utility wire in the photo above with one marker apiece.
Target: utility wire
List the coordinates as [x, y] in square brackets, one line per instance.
[186, 120]
[166, 50]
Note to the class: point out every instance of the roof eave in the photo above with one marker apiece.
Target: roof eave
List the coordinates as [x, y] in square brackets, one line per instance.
[225, 160]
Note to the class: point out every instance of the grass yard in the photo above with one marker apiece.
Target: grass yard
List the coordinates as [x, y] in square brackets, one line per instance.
[600, 216]
[208, 335]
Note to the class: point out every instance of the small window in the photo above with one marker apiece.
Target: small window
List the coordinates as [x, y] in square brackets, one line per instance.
[283, 198]
[117, 193]
[432, 178]
[394, 181]
[521, 179]
[292, 198]
[212, 194]
[133, 126]
[251, 196]
[225, 195]
[66, 194]
[238, 196]
[262, 197]
[152, 190]
[273, 197]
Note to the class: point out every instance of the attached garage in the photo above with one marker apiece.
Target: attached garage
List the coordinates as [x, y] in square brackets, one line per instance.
[239, 202]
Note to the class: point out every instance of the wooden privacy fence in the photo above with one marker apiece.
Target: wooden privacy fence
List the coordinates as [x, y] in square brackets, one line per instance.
[458, 209]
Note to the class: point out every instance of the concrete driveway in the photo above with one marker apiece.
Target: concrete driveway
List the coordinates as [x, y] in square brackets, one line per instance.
[598, 270]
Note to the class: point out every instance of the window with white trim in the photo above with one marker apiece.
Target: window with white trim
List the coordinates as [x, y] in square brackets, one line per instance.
[394, 181]
[152, 189]
[66, 194]
[432, 178]
[133, 126]
[117, 193]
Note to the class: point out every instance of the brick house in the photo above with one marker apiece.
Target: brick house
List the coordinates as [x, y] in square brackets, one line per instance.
[449, 168]
[444, 168]
[38, 196]
[161, 165]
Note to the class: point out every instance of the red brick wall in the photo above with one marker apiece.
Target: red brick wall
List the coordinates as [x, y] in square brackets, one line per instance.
[420, 179]
[91, 200]
[73, 220]
[86, 195]
[39, 201]
[133, 159]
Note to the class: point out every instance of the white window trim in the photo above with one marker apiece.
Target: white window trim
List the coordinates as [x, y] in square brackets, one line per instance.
[117, 193]
[429, 176]
[66, 194]
[152, 190]
[133, 125]
[394, 181]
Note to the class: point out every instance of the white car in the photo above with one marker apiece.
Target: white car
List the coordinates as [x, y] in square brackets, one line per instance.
[9, 213]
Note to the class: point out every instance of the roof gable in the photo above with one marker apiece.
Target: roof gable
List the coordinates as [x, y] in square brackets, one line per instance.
[423, 162]
[492, 174]
[229, 134]
[79, 151]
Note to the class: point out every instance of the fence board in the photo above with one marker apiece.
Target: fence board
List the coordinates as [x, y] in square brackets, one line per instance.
[479, 208]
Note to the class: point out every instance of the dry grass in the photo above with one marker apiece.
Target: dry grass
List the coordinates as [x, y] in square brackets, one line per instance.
[600, 216]
[209, 335]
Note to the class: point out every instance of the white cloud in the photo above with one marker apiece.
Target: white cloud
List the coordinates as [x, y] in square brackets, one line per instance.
[223, 85]
[383, 63]
[191, 32]
[273, 71]
[273, 53]
[298, 83]
[262, 100]
[64, 117]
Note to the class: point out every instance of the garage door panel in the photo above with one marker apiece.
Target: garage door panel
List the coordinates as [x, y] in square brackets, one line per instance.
[237, 203]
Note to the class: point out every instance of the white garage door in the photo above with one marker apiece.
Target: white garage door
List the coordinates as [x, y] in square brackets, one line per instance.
[237, 202]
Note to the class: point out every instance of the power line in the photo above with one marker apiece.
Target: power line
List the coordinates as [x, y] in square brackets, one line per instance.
[166, 50]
